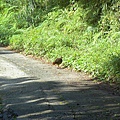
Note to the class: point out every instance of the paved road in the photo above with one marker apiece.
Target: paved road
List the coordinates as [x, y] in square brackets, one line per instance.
[39, 91]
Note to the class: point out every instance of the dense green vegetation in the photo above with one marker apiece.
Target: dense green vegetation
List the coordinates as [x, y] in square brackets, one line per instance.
[86, 33]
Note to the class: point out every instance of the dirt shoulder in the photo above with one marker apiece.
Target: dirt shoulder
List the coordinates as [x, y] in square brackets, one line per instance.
[36, 90]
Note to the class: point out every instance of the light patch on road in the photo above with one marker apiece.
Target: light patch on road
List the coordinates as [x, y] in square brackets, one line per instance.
[9, 70]
[35, 114]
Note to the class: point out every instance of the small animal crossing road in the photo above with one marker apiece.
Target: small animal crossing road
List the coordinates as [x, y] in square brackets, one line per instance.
[39, 91]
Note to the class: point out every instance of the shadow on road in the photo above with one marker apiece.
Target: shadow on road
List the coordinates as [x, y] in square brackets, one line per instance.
[35, 99]
[6, 52]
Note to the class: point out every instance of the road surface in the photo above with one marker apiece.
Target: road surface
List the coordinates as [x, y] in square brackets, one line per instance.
[39, 91]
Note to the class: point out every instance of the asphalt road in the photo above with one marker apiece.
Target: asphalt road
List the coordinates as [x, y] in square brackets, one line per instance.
[39, 91]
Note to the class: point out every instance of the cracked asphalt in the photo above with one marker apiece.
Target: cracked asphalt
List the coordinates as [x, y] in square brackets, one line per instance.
[39, 91]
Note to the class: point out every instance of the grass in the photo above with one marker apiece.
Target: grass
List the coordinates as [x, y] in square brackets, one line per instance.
[83, 47]
[88, 38]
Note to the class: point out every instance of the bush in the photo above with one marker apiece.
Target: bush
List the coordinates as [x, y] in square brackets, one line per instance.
[85, 34]
[7, 26]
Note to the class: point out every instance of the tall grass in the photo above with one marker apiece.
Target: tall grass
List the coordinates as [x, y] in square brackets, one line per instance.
[7, 26]
[64, 32]
[85, 33]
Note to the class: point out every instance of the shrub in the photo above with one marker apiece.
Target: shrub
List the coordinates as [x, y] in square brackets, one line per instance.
[92, 48]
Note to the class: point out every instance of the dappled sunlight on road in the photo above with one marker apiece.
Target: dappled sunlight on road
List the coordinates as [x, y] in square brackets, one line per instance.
[41, 91]
[37, 99]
